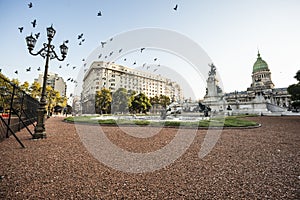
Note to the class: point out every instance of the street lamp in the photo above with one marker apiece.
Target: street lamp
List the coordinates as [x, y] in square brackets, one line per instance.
[46, 52]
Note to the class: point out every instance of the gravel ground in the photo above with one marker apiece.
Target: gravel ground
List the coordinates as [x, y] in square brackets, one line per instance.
[260, 163]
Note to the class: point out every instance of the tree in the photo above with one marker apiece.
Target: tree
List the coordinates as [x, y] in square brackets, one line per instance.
[139, 103]
[120, 100]
[15, 81]
[164, 100]
[297, 76]
[35, 90]
[103, 101]
[294, 91]
[25, 86]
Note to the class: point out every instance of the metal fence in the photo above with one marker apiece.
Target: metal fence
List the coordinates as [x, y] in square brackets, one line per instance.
[17, 109]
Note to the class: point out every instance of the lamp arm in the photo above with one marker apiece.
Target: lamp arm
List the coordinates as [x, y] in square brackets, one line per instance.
[56, 56]
[38, 53]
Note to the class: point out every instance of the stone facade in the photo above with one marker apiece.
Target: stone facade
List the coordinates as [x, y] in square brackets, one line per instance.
[113, 76]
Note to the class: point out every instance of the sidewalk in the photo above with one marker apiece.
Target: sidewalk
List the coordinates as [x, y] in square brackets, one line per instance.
[245, 164]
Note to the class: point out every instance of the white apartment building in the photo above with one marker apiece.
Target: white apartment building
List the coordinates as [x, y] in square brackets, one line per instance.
[112, 76]
[55, 81]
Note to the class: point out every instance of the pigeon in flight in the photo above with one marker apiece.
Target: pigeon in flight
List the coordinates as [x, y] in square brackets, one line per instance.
[79, 43]
[100, 56]
[37, 35]
[80, 36]
[134, 62]
[142, 49]
[144, 65]
[74, 67]
[67, 41]
[30, 5]
[68, 64]
[33, 23]
[68, 79]
[125, 59]
[120, 50]
[39, 69]
[28, 70]
[176, 6]
[59, 66]
[16, 72]
[155, 59]
[83, 59]
[111, 39]
[111, 53]
[21, 29]
[102, 44]
[99, 14]
[154, 70]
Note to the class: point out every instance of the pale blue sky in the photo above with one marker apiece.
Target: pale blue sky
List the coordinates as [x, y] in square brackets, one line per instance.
[230, 32]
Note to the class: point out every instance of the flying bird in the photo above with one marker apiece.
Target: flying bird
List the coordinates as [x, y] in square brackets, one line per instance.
[79, 43]
[37, 35]
[39, 68]
[99, 55]
[176, 6]
[68, 64]
[21, 29]
[80, 36]
[28, 70]
[120, 50]
[102, 44]
[111, 53]
[67, 41]
[155, 59]
[99, 14]
[33, 23]
[59, 66]
[134, 62]
[142, 49]
[16, 72]
[83, 59]
[74, 67]
[30, 5]
[144, 65]
[68, 79]
[155, 70]
[111, 39]
[125, 59]
[82, 40]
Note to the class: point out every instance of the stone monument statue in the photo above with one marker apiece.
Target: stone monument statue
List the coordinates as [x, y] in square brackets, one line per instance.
[214, 94]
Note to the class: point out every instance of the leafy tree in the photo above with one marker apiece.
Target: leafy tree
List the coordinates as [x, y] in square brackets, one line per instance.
[103, 101]
[35, 89]
[120, 99]
[139, 103]
[25, 86]
[164, 100]
[297, 76]
[15, 81]
[294, 91]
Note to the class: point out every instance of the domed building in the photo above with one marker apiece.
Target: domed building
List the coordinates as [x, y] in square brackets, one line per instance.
[261, 96]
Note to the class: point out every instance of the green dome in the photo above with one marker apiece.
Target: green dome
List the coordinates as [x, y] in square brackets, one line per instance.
[260, 65]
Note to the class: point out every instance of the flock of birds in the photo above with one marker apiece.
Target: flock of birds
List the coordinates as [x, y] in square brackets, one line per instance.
[81, 40]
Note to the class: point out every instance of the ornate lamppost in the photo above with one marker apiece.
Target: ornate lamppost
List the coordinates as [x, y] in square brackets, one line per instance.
[48, 53]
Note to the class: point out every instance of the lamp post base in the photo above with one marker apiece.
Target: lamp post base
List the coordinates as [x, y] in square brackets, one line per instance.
[39, 130]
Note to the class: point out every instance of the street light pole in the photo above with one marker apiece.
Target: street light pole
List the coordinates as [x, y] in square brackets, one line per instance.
[46, 52]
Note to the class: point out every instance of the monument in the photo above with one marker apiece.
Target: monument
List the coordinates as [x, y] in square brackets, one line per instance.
[214, 97]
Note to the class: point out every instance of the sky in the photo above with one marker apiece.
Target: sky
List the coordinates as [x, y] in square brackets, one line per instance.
[227, 33]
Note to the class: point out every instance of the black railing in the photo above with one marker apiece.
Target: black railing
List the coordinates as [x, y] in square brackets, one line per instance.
[17, 109]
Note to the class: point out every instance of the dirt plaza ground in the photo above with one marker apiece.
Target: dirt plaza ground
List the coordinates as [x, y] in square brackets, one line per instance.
[260, 163]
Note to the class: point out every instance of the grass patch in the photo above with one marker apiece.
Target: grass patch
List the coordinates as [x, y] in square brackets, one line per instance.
[231, 121]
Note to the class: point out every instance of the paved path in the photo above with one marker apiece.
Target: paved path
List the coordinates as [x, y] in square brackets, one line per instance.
[260, 163]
